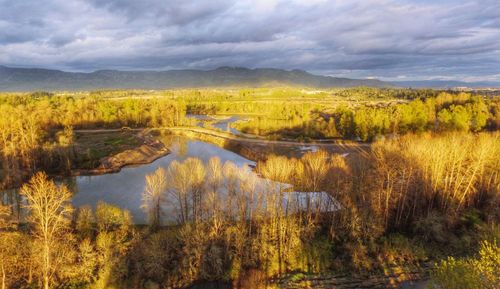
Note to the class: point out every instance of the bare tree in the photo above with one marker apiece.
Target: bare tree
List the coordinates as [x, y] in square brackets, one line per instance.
[248, 196]
[197, 173]
[49, 210]
[214, 174]
[186, 181]
[316, 167]
[154, 196]
[230, 171]
[213, 200]
[278, 170]
[178, 178]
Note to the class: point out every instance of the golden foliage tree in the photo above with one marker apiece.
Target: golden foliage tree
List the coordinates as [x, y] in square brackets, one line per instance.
[154, 196]
[49, 211]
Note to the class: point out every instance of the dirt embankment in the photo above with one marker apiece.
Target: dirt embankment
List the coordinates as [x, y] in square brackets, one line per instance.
[150, 150]
[246, 150]
[258, 149]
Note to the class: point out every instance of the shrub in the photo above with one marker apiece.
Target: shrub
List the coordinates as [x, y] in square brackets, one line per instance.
[469, 273]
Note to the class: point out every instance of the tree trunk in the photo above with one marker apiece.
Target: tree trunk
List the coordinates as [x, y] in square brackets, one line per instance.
[280, 209]
[47, 267]
[4, 286]
[30, 273]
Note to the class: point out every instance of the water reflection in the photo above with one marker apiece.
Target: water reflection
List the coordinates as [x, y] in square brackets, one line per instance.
[224, 124]
[124, 188]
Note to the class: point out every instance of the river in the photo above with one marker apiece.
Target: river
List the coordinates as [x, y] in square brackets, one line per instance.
[124, 189]
[221, 123]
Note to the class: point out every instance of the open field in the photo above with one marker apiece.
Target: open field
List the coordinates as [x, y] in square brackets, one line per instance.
[91, 148]
[106, 151]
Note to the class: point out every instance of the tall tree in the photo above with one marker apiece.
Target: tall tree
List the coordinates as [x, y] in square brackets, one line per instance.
[279, 170]
[154, 196]
[49, 210]
[213, 202]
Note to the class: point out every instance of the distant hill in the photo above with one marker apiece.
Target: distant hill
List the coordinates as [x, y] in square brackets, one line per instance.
[444, 84]
[29, 79]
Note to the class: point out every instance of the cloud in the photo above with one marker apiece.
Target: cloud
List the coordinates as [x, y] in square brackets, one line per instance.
[359, 38]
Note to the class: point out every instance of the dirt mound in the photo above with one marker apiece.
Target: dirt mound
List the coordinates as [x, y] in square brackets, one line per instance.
[148, 152]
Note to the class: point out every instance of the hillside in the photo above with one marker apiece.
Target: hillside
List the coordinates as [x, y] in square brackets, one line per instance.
[446, 84]
[28, 79]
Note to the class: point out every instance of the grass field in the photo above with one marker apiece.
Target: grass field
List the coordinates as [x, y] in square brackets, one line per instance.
[91, 147]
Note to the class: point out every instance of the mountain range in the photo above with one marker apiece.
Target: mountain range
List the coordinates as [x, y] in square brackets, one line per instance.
[28, 79]
[31, 79]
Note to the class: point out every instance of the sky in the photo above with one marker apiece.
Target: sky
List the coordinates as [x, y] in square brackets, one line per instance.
[385, 39]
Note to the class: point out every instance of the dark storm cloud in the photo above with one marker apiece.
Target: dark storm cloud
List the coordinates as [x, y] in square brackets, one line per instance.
[360, 38]
[165, 12]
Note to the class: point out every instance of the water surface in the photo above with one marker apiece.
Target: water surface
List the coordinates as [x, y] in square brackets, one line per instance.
[124, 189]
[223, 124]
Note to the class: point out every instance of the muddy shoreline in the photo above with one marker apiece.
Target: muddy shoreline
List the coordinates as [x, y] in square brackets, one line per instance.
[150, 150]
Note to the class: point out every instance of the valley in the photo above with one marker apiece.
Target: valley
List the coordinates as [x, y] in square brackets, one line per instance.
[257, 187]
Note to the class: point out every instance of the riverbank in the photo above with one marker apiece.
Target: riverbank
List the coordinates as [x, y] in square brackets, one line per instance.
[143, 146]
[146, 150]
[259, 149]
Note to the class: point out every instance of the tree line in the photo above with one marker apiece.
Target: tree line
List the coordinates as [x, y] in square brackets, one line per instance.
[36, 131]
[445, 112]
